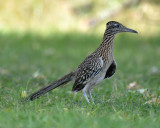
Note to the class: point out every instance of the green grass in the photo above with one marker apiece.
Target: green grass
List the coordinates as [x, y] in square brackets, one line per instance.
[22, 56]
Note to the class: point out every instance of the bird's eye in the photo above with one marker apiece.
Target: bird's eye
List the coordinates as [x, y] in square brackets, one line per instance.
[116, 25]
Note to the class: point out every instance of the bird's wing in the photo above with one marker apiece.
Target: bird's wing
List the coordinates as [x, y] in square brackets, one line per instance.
[111, 70]
[89, 68]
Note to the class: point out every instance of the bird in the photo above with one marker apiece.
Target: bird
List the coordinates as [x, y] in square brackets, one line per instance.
[95, 68]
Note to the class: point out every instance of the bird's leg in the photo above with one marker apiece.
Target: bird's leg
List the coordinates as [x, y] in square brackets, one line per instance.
[90, 95]
[86, 97]
[85, 94]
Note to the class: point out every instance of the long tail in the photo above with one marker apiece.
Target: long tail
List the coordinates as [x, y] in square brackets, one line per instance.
[65, 79]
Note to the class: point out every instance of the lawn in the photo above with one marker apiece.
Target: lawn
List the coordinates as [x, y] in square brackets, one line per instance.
[29, 61]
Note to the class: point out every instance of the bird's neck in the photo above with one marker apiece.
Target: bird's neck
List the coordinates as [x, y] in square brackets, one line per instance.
[105, 49]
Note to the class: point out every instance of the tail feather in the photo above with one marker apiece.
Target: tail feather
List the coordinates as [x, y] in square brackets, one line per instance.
[65, 79]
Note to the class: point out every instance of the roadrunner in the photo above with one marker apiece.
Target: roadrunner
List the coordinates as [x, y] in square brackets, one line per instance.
[94, 69]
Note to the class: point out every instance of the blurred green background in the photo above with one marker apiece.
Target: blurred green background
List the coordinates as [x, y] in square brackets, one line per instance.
[66, 15]
[42, 40]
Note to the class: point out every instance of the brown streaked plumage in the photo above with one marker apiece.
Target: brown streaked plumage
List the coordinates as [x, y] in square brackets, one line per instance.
[94, 69]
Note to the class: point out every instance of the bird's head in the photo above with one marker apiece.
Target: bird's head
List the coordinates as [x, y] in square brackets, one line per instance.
[115, 27]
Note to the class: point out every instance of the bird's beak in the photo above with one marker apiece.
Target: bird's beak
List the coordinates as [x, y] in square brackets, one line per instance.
[129, 30]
